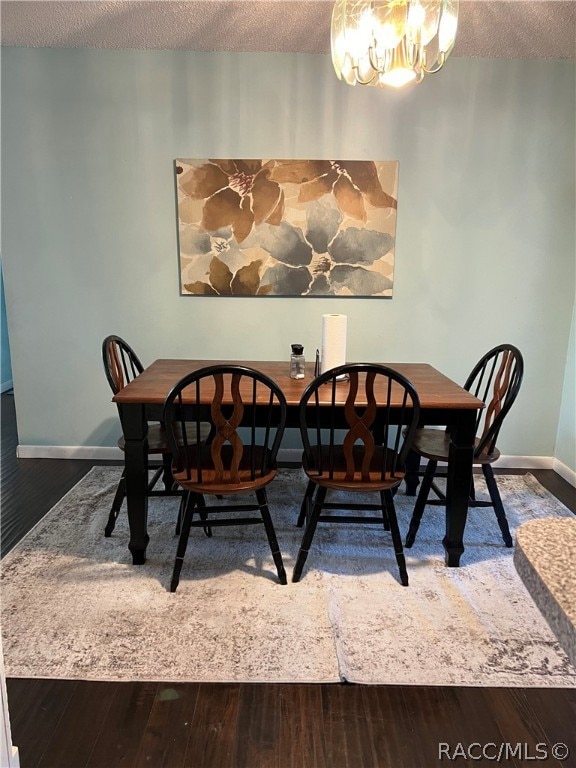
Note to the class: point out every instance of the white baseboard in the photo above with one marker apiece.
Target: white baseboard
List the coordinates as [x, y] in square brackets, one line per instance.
[288, 455]
[524, 462]
[99, 453]
[94, 452]
[510, 462]
[6, 385]
[568, 474]
[294, 455]
[537, 462]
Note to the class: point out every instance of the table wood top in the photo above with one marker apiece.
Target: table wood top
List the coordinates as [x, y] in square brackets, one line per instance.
[434, 389]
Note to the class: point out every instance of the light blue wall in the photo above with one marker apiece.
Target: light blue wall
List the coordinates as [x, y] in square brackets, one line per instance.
[5, 365]
[566, 439]
[485, 246]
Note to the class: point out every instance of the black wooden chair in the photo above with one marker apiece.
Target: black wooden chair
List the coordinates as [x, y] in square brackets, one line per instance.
[495, 380]
[239, 456]
[121, 366]
[369, 403]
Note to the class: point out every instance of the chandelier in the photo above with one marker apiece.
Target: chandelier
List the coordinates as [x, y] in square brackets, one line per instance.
[391, 42]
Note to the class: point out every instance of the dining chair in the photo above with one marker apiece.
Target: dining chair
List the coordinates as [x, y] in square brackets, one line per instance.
[239, 457]
[121, 366]
[495, 380]
[350, 423]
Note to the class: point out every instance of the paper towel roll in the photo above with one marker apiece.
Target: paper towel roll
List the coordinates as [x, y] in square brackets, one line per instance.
[333, 341]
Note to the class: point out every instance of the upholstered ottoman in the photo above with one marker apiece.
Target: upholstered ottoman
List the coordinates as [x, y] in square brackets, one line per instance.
[545, 558]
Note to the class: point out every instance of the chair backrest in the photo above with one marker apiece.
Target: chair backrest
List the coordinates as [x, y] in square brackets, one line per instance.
[495, 380]
[247, 414]
[370, 402]
[121, 363]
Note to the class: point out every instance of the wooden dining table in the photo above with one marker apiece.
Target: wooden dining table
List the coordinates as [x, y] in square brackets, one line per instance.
[443, 402]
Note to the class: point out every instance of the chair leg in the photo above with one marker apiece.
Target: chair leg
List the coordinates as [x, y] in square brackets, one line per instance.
[116, 506]
[472, 490]
[421, 502]
[155, 477]
[271, 533]
[309, 533]
[385, 517]
[191, 500]
[387, 501]
[167, 478]
[438, 491]
[412, 468]
[305, 501]
[181, 511]
[204, 515]
[497, 503]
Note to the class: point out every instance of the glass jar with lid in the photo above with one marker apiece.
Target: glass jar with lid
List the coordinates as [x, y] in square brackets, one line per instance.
[297, 362]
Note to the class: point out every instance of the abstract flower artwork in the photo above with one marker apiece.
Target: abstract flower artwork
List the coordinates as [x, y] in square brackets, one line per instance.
[286, 227]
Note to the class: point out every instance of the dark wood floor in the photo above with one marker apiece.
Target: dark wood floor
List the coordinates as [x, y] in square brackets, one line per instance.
[77, 724]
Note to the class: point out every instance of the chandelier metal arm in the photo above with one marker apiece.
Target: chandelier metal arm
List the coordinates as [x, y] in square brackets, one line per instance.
[359, 80]
[441, 61]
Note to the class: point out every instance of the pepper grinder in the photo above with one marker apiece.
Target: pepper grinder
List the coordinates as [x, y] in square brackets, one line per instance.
[297, 362]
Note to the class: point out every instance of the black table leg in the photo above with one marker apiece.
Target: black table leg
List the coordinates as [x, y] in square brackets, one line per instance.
[458, 485]
[135, 430]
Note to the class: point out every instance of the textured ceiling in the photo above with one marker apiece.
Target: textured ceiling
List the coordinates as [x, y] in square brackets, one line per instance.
[487, 28]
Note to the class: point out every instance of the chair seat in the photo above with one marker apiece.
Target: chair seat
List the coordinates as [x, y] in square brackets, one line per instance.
[434, 444]
[213, 481]
[334, 460]
[158, 439]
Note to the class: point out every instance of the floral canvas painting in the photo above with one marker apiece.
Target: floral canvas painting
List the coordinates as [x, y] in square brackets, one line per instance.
[286, 227]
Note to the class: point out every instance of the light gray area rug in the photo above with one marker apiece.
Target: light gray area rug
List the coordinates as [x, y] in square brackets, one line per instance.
[73, 606]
